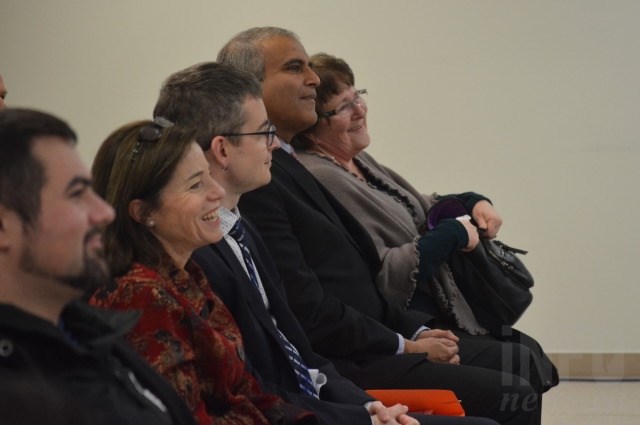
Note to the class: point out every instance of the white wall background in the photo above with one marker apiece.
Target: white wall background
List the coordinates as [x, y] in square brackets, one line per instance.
[533, 103]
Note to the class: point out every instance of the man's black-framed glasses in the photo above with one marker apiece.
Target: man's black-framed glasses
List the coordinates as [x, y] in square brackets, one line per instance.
[150, 133]
[270, 133]
[359, 99]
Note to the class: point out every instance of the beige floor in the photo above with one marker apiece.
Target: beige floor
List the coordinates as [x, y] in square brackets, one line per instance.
[591, 403]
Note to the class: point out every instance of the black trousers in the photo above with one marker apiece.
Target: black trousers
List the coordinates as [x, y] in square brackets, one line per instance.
[508, 399]
[515, 353]
[452, 420]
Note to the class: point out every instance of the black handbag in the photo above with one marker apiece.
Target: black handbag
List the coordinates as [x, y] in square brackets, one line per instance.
[495, 283]
[493, 280]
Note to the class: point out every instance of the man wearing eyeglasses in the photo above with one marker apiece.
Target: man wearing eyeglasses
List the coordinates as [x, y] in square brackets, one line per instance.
[226, 107]
[328, 262]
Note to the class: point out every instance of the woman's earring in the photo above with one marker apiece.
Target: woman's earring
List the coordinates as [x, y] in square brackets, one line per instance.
[150, 222]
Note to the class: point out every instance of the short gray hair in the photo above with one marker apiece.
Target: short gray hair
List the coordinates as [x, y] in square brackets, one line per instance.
[244, 50]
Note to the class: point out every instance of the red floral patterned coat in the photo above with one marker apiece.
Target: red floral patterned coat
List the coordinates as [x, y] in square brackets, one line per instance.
[188, 335]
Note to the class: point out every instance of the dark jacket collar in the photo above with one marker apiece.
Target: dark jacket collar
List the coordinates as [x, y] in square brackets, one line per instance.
[79, 322]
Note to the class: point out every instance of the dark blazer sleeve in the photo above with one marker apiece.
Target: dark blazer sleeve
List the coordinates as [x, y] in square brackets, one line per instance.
[324, 273]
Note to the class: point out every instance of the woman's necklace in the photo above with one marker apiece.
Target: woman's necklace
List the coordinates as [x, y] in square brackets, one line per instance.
[366, 175]
[317, 150]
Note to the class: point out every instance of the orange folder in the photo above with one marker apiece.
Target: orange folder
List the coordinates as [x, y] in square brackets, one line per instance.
[430, 402]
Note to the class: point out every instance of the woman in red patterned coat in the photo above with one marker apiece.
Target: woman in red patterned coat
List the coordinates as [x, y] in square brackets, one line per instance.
[157, 179]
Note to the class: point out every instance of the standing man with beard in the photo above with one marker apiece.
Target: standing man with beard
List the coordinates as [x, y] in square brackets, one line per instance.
[69, 354]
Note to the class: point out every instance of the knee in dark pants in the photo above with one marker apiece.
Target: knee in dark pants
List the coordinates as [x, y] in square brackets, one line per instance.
[523, 365]
[521, 403]
[512, 402]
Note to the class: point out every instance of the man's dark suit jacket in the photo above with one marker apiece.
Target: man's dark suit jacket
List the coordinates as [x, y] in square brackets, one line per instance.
[328, 262]
[341, 400]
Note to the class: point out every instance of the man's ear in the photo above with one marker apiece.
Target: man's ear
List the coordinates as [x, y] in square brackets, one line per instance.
[220, 149]
[10, 225]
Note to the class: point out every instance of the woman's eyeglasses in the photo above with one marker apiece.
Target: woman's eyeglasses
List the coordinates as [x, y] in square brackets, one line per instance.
[359, 99]
[150, 133]
[270, 133]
